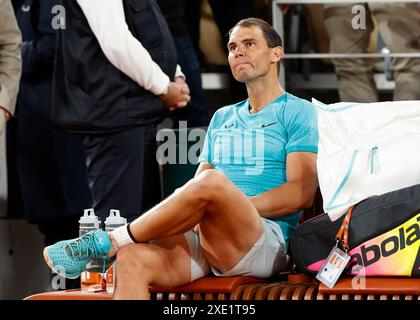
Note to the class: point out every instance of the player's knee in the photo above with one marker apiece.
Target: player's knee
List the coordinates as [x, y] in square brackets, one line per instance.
[205, 187]
[210, 182]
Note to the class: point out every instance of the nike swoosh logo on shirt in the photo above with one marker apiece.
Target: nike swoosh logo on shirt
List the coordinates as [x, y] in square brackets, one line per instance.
[264, 125]
[228, 125]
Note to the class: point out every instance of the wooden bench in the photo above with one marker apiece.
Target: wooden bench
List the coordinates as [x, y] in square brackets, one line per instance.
[292, 287]
[372, 289]
[208, 288]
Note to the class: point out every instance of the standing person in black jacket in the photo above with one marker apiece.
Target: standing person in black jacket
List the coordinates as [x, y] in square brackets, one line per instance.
[115, 76]
[50, 164]
[196, 114]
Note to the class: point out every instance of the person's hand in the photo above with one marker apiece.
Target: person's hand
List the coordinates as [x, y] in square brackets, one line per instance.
[181, 81]
[6, 113]
[178, 95]
[185, 89]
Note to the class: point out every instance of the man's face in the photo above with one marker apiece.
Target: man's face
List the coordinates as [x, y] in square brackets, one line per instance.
[249, 55]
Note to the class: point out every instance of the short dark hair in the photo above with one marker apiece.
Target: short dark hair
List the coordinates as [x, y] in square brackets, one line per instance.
[271, 36]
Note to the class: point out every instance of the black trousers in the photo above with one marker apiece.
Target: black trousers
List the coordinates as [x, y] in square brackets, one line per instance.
[123, 172]
[52, 176]
[51, 167]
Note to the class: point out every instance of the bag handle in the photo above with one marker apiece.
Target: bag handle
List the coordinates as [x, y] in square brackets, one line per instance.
[342, 236]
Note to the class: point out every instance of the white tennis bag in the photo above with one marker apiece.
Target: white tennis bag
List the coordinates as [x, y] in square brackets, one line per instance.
[366, 149]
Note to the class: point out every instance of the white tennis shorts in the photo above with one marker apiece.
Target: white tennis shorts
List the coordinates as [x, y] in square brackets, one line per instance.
[266, 258]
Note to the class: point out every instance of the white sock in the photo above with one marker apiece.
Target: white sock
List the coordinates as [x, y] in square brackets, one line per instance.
[119, 238]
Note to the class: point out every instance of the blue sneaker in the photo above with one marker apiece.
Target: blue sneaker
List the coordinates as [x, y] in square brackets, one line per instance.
[70, 258]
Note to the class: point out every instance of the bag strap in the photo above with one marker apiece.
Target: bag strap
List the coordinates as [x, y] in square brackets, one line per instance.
[342, 236]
